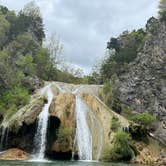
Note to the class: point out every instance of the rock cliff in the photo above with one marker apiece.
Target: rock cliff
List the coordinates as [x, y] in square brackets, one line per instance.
[143, 87]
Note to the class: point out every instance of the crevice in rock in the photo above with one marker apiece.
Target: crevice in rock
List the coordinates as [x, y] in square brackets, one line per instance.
[52, 131]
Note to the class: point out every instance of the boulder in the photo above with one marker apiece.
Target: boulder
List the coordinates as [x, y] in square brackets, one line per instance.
[14, 154]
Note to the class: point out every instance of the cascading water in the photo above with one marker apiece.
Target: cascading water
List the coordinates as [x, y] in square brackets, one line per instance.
[83, 135]
[4, 137]
[40, 136]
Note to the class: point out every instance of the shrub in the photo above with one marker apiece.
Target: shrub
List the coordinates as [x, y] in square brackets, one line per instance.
[107, 93]
[121, 149]
[18, 96]
[64, 138]
[115, 124]
[127, 111]
[144, 119]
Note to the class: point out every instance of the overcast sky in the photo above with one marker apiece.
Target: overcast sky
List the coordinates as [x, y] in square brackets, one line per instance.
[85, 26]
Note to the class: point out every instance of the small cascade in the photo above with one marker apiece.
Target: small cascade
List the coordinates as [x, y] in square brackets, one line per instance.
[96, 127]
[40, 136]
[4, 137]
[83, 135]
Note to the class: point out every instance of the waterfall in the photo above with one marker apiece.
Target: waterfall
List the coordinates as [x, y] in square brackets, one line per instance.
[83, 135]
[40, 136]
[96, 128]
[4, 137]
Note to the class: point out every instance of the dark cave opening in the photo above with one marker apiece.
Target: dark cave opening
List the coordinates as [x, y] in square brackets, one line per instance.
[23, 138]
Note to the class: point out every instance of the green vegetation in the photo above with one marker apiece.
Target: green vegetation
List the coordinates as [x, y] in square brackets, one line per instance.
[122, 51]
[121, 149]
[109, 94]
[24, 57]
[162, 10]
[127, 112]
[115, 124]
[64, 136]
[144, 119]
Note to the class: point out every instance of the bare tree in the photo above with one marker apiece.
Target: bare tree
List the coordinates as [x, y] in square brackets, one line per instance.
[55, 49]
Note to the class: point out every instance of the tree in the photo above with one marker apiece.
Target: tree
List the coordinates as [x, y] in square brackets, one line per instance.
[4, 30]
[3, 9]
[26, 65]
[31, 21]
[22, 45]
[162, 10]
[144, 119]
[54, 48]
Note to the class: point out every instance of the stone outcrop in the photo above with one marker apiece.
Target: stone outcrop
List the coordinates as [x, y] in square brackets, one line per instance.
[151, 153]
[14, 154]
[143, 87]
[26, 115]
[63, 110]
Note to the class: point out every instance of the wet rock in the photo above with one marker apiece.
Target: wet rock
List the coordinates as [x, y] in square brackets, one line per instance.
[14, 154]
[63, 110]
[104, 116]
[28, 114]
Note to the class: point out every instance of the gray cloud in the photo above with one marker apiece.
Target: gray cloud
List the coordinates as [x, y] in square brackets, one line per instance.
[85, 26]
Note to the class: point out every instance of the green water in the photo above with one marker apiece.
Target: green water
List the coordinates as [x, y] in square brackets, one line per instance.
[61, 163]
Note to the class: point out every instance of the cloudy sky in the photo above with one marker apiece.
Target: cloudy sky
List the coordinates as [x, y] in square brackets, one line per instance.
[85, 26]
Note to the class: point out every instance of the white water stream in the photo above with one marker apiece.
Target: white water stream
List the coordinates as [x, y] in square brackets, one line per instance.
[41, 134]
[83, 135]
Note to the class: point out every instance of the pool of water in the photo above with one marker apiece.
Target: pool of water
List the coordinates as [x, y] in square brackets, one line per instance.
[61, 163]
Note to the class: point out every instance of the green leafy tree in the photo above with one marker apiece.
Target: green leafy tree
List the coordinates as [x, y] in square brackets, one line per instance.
[22, 45]
[162, 10]
[32, 21]
[26, 65]
[121, 51]
[4, 30]
[144, 119]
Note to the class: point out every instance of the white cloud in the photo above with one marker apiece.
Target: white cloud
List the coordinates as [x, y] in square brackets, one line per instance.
[85, 26]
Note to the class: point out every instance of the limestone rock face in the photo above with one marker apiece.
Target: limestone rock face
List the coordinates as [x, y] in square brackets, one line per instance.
[27, 114]
[104, 116]
[143, 88]
[14, 154]
[150, 154]
[63, 109]
[21, 126]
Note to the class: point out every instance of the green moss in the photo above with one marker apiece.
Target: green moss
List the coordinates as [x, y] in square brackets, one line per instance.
[64, 136]
[12, 110]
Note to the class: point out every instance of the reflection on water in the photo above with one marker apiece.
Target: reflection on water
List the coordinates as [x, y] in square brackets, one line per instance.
[61, 163]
